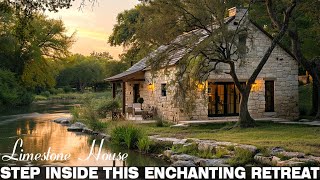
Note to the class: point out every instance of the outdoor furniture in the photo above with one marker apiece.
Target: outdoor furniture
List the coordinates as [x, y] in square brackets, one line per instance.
[152, 112]
[137, 110]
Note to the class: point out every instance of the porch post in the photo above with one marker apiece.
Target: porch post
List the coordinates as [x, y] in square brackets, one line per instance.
[114, 90]
[124, 97]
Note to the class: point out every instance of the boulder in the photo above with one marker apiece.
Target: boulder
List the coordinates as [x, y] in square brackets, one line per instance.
[306, 161]
[63, 120]
[182, 157]
[87, 131]
[77, 127]
[276, 150]
[168, 153]
[226, 144]
[317, 159]
[250, 148]
[206, 145]
[213, 162]
[270, 161]
[183, 163]
[289, 163]
[292, 154]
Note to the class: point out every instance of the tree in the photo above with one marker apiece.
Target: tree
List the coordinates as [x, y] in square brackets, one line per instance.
[81, 73]
[28, 51]
[125, 34]
[304, 37]
[208, 41]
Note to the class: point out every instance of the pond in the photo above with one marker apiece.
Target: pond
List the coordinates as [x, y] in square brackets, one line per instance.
[39, 134]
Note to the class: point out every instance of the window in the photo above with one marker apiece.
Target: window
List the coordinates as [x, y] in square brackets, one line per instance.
[163, 89]
[269, 96]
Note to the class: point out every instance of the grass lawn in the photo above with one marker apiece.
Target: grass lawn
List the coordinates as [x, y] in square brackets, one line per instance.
[267, 134]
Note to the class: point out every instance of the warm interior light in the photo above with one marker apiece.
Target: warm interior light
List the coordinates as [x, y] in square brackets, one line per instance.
[151, 86]
[201, 86]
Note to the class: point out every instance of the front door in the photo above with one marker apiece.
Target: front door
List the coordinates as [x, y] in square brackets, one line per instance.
[136, 93]
[224, 99]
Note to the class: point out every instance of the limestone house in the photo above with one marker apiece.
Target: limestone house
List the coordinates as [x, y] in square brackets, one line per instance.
[274, 94]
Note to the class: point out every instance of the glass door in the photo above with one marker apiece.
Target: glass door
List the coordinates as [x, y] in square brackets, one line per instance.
[224, 99]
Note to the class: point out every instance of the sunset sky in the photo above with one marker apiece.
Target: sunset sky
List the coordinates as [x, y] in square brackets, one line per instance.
[93, 25]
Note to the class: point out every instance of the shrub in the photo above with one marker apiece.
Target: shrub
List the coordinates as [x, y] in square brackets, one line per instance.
[242, 157]
[140, 100]
[11, 92]
[108, 107]
[144, 144]
[45, 93]
[127, 135]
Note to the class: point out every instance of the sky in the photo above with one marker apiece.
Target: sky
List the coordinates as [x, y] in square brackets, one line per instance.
[93, 24]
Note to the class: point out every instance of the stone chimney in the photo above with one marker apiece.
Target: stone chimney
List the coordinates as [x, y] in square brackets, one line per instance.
[238, 13]
[232, 11]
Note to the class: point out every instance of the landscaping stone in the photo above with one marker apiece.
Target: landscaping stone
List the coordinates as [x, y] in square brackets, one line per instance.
[168, 140]
[213, 162]
[250, 148]
[182, 157]
[276, 150]
[206, 145]
[317, 159]
[77, 127]
[183, 163]
[87, 131]
[226, 144]
[292, 154]
[264, 160]
[289, 163]
[305, 160]
[63, 120]
[168, 153]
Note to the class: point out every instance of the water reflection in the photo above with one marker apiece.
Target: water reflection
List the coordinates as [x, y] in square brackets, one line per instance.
[39, 133]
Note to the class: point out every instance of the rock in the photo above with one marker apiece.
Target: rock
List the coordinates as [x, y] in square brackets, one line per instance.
[270, 161]
[206, 145]
[317, 159]
[250, 148]
[292, 154]
[276, 150]
[183, 163]
[168, 140]
[182, 157]
[101, 135]
[63, 120]
[226, 144]
[289, 163]
[107, 137]
[87, 131]
[168, 153]
[306, 161]
[213, 162]
[77, 127]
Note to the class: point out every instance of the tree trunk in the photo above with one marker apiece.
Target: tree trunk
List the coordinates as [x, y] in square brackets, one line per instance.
[245, 119]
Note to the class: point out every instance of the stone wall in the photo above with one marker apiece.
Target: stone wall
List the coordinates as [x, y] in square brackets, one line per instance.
[281, 68]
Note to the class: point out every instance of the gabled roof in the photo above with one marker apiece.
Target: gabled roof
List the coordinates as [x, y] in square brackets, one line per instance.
[177, 54]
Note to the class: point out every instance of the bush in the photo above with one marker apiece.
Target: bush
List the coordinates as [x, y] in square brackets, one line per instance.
[242, 157]
[67, 89]
[108, 107]
[127, 135]
[11, 92]
[221, 152]
[45, 93]
[144, 144]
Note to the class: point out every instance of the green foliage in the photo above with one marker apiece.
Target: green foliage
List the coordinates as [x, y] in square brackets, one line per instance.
[192, 149]
[242, 157]
[305, 99]
[108, 107]
[11, 92]
[221, 152]
[144, 144]
[127, 135]
[45, 93]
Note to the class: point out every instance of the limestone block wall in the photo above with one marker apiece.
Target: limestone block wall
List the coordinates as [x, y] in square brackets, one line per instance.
[281, 68]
